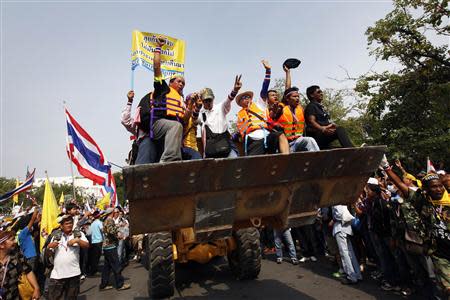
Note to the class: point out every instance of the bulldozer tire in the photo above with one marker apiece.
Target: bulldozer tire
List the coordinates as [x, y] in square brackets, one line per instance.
[245, 260]
[161, 281]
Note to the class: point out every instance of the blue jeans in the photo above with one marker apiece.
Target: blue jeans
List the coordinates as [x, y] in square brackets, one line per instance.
[190, 154]
[147, 152]
[348, 258]
[279, 236]
[120, 248]
[304, 143]
[385, 258]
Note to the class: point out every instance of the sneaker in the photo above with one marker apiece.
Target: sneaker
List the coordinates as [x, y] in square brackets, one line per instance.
[385, 286]
[347, 281]
[336, 275]
[304, 259]
[294, 261]
[125, 286]
[279, 260]
[108, 287]
[313, 258]
[405, 292]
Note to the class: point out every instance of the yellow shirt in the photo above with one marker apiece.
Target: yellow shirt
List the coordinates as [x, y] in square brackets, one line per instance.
[190, 135]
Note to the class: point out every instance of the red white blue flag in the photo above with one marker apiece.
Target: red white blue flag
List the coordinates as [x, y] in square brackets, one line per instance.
[87, 156]
[28, 183]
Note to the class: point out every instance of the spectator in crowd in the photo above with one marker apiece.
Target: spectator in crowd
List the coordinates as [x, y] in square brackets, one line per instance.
[446, 182]
[408, 178]
[73, 210]
[342, 230]
[12, 266]
[65, 277]
[215, 134]
[122, 233]
[430, 210]
[26, 242]
[95, 249]
[284, 235]
[318, 122]
[110, 241]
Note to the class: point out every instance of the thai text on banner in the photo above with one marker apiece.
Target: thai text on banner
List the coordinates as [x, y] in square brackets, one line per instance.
[172, 53]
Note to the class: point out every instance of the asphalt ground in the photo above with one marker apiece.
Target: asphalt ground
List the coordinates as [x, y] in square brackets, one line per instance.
[310, 280]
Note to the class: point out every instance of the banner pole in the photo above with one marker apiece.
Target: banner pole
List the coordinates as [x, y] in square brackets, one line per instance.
[132, 79]
[70, 160]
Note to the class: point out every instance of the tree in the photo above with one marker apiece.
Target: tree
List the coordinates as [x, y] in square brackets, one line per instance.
[408, 110]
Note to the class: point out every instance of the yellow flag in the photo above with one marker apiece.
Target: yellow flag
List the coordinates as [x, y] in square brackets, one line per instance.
[104, 202]
[172, 53]
[50, 211]
[16, 196]
[61, 199]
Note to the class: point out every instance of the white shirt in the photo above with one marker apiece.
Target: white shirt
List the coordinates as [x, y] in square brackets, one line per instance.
[216, 118]
[67, 258]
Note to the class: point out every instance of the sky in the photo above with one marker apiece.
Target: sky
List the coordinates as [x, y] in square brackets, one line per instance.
[79, 52]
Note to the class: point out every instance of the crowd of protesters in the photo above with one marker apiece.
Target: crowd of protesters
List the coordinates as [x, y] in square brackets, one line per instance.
[71, 252]
[399, 226]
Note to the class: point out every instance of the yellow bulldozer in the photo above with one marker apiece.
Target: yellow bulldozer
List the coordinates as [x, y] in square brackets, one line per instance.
[200, 209]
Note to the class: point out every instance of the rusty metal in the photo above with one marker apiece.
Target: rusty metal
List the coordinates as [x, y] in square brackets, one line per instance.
[213, 195]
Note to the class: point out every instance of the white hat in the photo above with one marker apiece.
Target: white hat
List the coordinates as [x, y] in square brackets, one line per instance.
[373, 181]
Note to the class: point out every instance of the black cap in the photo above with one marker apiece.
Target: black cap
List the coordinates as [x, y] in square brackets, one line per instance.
[291, 63]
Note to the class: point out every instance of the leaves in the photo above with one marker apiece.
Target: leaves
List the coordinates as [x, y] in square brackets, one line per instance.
[409, 110]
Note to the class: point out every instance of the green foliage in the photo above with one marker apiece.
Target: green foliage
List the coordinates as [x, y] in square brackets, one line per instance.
[38, 192]
[409, 110]
[120, 188]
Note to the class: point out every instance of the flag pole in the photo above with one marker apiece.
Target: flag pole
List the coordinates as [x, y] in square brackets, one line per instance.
[70, 162]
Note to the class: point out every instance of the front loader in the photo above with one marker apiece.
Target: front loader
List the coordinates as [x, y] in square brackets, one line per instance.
[200, 209]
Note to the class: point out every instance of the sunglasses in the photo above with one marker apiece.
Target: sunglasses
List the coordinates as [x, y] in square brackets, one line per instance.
[245, 97]
[207, 100]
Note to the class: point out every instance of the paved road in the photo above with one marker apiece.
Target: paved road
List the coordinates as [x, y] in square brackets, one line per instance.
[215, 281]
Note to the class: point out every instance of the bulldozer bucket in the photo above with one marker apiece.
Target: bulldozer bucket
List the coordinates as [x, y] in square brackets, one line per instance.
[216, 195]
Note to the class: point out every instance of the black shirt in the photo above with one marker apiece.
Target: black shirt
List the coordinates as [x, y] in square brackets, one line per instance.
[159, 99]
[316, 109]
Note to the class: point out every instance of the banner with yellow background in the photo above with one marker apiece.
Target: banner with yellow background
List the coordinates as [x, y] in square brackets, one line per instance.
[172, 53]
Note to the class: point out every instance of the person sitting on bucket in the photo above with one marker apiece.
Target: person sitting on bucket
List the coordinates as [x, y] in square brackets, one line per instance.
[292, 121]
[215, 134]
[252, 125]
[190, 149]
[163, 114]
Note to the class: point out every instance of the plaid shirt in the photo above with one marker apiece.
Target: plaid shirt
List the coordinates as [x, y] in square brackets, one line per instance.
[16, 266]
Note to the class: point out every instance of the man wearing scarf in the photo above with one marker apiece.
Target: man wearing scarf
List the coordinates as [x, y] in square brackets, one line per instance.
[433, 206]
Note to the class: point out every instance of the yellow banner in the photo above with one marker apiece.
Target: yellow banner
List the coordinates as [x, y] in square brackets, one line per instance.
[172, 53]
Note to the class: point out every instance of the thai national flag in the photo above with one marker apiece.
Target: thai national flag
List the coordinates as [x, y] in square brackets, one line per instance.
[84, 152]
[21, 188]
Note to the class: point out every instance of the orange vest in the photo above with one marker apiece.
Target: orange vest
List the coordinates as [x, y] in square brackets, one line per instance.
[174, 104]
[293, 125]
[248, 122]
